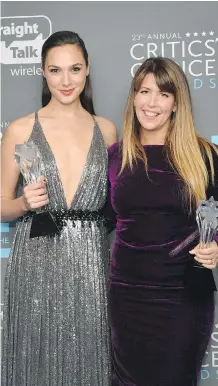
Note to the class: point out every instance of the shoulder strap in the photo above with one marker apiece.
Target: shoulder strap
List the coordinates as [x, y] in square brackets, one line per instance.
[36, 116]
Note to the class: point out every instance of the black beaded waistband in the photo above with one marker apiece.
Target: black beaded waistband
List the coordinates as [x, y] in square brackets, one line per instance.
[49, 223]
[62, 215]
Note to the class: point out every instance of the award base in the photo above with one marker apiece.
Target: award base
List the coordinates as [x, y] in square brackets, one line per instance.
[199, 279]
[43, 224]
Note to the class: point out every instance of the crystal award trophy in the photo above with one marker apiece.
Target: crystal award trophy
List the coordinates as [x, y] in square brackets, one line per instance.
[201, 278]
[207, 220]
[28, 158]
[197, 277]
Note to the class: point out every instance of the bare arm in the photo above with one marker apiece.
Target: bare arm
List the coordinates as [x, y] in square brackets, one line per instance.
[12, 207]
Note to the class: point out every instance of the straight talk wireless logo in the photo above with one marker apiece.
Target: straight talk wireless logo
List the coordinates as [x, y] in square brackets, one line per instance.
[22, 38]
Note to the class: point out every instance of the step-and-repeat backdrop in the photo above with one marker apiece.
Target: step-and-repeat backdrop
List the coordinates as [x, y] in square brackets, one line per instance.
[119, 36]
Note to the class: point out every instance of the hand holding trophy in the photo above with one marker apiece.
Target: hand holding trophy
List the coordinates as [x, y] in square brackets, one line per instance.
[200, 278]
[28, 159]
[207, 220]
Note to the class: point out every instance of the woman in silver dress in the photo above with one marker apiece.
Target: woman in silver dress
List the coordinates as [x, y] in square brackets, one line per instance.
[55, 314]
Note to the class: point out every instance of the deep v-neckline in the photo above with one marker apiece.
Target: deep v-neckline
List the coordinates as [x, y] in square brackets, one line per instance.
[82, 176]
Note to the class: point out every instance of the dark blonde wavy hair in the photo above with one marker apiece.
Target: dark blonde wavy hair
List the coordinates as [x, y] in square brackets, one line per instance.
[185, 149]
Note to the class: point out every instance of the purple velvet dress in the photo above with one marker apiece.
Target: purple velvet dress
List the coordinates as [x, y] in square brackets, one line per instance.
[160, 325]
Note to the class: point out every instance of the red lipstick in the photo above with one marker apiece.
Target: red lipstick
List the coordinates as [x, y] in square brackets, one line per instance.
[66, 92]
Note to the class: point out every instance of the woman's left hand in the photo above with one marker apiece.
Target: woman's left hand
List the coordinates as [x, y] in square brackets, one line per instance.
[207, 256]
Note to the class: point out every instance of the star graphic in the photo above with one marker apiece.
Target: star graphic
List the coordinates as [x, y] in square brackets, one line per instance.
[211, 33]
[203, 33]
[187, 34]
[195, 34]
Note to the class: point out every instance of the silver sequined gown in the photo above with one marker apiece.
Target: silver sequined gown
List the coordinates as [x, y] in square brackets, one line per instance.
[55, 317]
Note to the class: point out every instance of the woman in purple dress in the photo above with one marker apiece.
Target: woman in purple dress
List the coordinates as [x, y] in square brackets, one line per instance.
[161, 305]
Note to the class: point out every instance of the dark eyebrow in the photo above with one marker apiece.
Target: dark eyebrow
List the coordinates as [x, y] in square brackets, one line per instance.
[73, 65]
[77, 64]
[147, 88]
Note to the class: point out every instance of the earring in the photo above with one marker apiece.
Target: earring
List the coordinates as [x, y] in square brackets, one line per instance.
[173, 114]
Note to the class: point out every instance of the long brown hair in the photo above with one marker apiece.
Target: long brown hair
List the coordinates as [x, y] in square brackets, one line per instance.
[185, 149]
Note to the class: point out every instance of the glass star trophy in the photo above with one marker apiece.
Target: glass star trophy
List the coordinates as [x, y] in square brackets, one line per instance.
[28, 158]
[207, 220]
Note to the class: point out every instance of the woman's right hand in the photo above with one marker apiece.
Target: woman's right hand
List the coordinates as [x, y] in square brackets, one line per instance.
[35, 195]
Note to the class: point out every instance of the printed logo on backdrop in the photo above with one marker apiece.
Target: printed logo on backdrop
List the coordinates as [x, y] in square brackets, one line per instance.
[22, 38]
[209, 368]
[195, 52]
[5, 240]
[3, 127]
[214, 139]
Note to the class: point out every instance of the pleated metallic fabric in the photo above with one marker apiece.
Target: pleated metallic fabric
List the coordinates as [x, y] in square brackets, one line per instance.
[55, 315]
